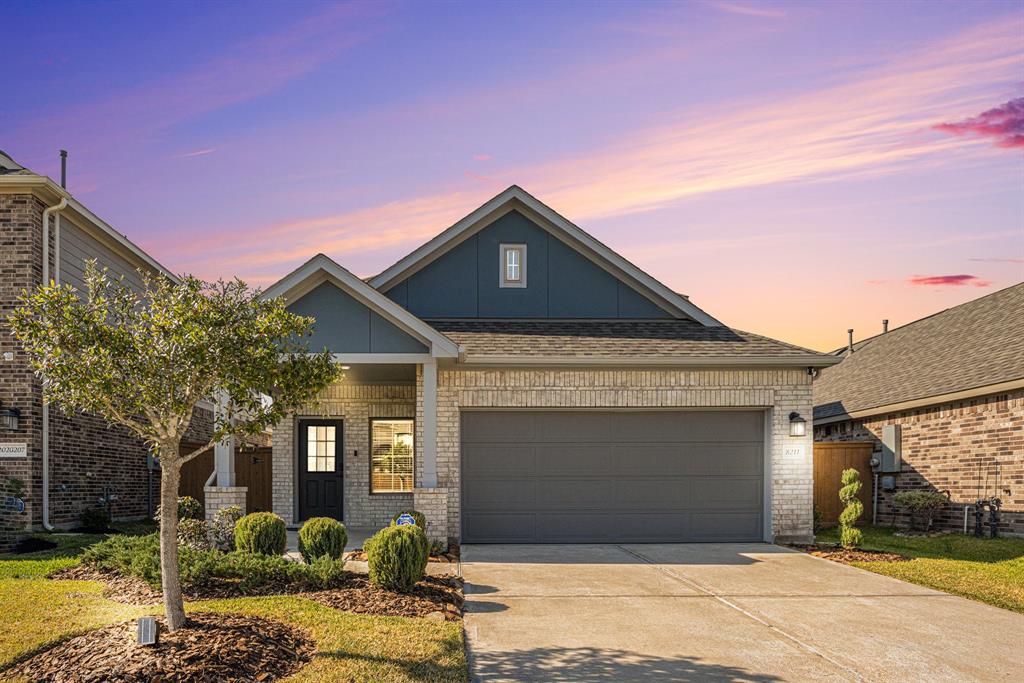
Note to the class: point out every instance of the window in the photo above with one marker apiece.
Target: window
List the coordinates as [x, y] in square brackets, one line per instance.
[320, 448]
[391, 456]
[513, 265]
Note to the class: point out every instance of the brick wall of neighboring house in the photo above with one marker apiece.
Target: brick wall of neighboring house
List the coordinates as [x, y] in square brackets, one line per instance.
[781, 391]
[354, 404]
[954, 447]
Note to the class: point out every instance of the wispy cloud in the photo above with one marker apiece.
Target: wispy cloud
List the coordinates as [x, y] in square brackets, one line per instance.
[948, 281]
[998, 260]
[750, 10]
[1003, 124]
[196, 153]
[482, 157]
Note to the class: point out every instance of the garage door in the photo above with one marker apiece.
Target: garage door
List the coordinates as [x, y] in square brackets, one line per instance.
[600, 477]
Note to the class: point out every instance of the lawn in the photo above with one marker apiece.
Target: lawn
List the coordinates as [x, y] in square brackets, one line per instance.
[984, 569]
[350, 647]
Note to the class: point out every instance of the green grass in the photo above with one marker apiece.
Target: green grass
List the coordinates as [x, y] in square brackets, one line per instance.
[69, 546]
[350, 647]
[983, 569]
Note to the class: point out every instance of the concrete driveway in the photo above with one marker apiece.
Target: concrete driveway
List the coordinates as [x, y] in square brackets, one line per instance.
[733, 612]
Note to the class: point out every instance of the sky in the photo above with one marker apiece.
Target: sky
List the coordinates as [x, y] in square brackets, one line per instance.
[797, 169]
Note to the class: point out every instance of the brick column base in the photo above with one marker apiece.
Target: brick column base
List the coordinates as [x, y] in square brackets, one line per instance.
[219, 497]
[433, 503]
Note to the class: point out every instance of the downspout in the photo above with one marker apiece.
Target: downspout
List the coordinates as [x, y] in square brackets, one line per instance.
[46, 406]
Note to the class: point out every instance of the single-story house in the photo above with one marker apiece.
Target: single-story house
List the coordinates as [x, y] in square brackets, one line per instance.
[946, 394]
[518, 381]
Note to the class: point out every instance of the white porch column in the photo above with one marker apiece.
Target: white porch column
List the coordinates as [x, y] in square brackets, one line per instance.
[428, 450]
[224, 451]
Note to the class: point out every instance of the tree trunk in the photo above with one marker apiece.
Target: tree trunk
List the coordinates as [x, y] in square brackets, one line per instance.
[170, 572]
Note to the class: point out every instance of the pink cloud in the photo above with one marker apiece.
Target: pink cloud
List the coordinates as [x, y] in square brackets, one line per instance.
[948, 280]
[748, 10]
[195, 153]
[482, 157]
[998, 260]
[1004, 124]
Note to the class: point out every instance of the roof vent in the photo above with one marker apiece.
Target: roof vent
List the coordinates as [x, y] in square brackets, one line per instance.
[885, 326]
[64, 168]
[849, 342]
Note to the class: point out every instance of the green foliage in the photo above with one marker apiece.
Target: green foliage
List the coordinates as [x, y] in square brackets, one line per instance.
[922, 505]
[222, 529]
[421, 519]
[94, 519]
[850, 536]
[397, 557]
[194, 533]
[322, 537]
[438, 546]
[816, 520]
[263, 533]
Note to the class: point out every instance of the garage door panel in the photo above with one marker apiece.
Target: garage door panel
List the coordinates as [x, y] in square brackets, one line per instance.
[652, 494]
[502, 527]
[728, 459]
[725, 526]
[490, 427]
[513, 494]
[583, 426]
[653, 528]
[498, 459]
[574, 494]
[561, 459]
[568, 527]
[727, 493]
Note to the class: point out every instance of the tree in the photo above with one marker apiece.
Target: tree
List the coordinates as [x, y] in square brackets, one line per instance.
[144, 359]
[849, 535]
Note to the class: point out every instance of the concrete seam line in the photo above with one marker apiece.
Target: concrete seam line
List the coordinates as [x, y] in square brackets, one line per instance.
[763, 621]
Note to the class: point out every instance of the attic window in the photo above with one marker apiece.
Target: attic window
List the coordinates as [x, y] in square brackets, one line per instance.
[512, 265]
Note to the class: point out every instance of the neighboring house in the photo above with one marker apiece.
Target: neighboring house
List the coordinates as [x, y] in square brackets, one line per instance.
[67, 463]
[954, 383]
[518, 381]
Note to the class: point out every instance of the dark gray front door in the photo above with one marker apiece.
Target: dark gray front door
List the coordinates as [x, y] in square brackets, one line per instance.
[612, 476]
[320, 468]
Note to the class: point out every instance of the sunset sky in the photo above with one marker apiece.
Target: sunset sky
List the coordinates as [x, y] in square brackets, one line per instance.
[795, 168]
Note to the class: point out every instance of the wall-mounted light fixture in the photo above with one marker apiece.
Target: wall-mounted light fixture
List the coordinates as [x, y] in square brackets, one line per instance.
[9, 418]
[797, 425]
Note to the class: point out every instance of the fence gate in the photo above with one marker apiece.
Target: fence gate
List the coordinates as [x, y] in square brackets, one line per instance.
[830, 459]
[253, 469]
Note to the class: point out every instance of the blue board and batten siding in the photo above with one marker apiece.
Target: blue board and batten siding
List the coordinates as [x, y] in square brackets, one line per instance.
[344, 325]
[561, 282]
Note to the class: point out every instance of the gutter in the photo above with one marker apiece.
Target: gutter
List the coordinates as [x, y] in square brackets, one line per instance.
[642, 361]
[56, 208]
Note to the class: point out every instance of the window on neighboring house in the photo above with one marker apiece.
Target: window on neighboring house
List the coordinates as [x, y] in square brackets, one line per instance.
[513, 265]
[391, 455]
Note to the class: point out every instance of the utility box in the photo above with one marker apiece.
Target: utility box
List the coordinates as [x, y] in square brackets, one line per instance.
[892, 448]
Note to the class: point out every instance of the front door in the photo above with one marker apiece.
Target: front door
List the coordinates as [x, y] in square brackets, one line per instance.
[320, 467]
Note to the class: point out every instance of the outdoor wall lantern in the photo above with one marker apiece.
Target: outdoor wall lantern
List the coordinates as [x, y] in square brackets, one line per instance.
[9, 418]
[797, 425]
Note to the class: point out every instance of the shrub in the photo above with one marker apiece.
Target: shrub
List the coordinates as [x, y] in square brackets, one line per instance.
[322, 537]
[188, 508]
[194, 533]
[922, 505]
[438, 546]
[849, 535]
[262, 533]
[127, 555]
[421, 519]
[397, 557]
[94, 519]
[817, 517]
[222, 528]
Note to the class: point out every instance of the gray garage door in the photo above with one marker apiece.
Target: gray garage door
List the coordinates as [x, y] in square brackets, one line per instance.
[599, 477]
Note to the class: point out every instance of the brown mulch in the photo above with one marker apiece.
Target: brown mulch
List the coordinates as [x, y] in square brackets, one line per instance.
[120, 588]
[453, 554]
[840, 554]
[434, 595]
[213, 647]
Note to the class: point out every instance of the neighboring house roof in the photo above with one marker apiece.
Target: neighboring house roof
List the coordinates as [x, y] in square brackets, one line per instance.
[517, 198]
[676, 342]
[972, 347]
[322, 268]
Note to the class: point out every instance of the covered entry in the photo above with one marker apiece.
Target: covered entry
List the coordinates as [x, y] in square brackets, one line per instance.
[588, 476]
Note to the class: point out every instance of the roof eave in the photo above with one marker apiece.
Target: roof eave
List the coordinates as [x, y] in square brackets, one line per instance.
[649, 361]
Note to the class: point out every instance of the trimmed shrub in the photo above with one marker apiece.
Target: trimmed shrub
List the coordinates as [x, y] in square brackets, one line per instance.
[397, 557]
[849, 535]
[94, 519]
[194, 533]
[421, 519]
[188, 508]
[922, 505]
[262, 533]
[222, 529]
[322, 537]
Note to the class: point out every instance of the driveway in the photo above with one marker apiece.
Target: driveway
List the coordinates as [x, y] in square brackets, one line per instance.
[734, 612]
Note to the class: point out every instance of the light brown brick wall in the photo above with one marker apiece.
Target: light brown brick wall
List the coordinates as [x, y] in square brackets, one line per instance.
[953, 446]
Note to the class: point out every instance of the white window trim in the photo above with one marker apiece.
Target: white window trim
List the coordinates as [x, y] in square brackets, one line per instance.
[503, 282]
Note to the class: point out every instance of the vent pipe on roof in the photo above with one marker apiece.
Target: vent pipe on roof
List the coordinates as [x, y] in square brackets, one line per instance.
[885, 326]
[64, 168]
[849, 342]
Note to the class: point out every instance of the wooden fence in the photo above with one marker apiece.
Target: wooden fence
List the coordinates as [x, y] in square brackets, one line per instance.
[830, 459]
[253, 469]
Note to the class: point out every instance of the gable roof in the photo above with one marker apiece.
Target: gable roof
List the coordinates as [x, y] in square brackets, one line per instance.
[967, 348]
[517, 198]
[322, 268]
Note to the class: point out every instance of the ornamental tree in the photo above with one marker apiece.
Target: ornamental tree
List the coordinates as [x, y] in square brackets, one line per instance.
[849, 535]
[144, 359]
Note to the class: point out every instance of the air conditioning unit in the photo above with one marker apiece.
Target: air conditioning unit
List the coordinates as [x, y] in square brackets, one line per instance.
[892, 448]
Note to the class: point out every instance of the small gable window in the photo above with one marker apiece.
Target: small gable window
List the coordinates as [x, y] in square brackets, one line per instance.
[513, 265]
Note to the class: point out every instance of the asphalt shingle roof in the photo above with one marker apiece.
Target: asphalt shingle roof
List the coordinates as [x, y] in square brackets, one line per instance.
[972, 345]
[584, 339]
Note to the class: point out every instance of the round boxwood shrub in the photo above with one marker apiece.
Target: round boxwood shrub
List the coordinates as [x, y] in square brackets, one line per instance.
[397, 557]
[322, 536]
[262, 533]
[421, 519]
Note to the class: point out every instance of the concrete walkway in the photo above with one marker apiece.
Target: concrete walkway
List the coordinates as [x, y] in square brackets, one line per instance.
[729, 612]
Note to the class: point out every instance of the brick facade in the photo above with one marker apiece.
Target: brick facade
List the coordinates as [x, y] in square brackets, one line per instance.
[219, 497]
[955, 447]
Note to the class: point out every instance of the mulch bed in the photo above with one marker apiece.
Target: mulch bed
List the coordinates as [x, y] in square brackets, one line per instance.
[434, 596]
[127, 589]
[453, 554]
[840, 554]
[213, 647]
